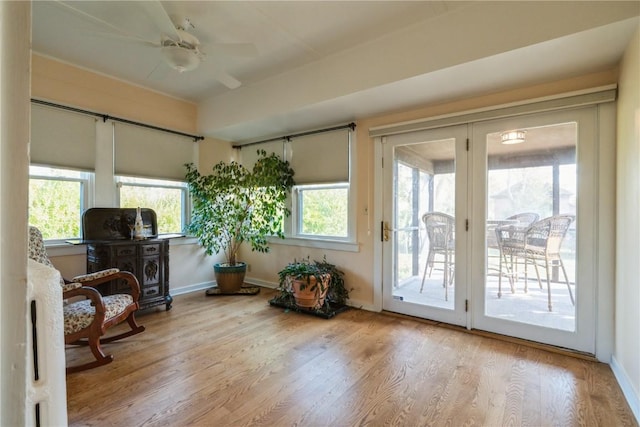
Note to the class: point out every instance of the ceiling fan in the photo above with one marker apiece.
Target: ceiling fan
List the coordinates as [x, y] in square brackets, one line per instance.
[182, 52]
[179, 49]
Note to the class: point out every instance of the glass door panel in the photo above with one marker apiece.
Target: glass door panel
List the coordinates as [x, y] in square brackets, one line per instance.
[425, 222]
[423, 272]
[530, 199]
[531, 213]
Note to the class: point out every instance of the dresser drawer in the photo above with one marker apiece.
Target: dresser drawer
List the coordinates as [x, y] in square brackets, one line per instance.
[125, 250]
[150, 292]
[153, 249]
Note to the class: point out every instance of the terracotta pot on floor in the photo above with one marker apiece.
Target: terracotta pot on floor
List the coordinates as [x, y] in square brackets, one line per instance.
[309, 293]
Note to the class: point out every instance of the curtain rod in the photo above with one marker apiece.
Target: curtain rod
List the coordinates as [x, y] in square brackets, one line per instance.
[351, 126]
[106, 117]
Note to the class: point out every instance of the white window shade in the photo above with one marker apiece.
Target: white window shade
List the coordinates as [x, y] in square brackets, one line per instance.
[62, 138]
[320, 158]
[250, 153]
[151, 153]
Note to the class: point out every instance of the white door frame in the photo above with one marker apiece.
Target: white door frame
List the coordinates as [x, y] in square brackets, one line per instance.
[583, 338]
[605, 210]
[457, 315]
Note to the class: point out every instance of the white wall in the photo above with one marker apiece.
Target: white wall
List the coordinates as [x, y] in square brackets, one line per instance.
[15, 39]
[626, 358]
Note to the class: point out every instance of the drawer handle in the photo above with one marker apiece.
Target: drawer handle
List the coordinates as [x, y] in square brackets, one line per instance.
[126, 252]
[151, 249]
[151, 292]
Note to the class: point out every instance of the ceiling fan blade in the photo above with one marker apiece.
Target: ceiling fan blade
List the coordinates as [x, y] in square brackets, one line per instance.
[244, 50]
[161, 18]
[159, 72]
[115, 29]
[225, 78]
[128, 38]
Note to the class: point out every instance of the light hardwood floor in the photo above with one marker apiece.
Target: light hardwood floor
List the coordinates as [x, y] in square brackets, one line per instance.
[236, 361]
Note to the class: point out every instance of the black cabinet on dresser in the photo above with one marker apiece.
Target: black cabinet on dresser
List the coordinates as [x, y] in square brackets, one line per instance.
[106, 232]
[147, 259]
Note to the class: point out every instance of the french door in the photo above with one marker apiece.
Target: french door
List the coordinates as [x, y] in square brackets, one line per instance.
[425, 179]
[490, 225]
[533, 241]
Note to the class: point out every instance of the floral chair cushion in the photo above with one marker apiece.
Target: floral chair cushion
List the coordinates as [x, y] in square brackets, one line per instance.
[38, 253]
[93, 276]
[79, 315]
[70, 286]
[37, 250]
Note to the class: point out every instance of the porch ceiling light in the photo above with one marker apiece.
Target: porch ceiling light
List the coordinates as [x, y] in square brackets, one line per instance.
[513, 137]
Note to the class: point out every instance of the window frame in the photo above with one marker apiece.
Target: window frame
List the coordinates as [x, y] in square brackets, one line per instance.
[86, 181]
[297, 208]
[293, 238]
[185, 199]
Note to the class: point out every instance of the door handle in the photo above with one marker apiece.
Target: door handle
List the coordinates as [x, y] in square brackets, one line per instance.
[384, 228]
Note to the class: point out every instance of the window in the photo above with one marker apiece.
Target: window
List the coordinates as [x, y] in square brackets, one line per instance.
[57, 198]
[322, 206]
[167, 198]
[322, 210]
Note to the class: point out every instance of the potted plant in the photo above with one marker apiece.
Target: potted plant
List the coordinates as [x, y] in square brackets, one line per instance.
[317, 285]
[234, 205]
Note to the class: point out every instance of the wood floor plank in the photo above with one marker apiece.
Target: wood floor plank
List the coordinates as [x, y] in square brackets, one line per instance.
[236, 361]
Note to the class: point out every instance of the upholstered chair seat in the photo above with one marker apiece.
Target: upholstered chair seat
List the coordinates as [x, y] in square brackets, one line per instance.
[81, 314]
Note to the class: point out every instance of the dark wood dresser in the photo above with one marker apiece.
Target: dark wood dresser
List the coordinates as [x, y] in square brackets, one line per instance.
[106, 232]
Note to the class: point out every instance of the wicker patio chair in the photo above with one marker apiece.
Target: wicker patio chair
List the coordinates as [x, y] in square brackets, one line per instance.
[440, 231]
[542, 243]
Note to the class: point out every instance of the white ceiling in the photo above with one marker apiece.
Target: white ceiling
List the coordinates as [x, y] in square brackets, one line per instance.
[326, 63]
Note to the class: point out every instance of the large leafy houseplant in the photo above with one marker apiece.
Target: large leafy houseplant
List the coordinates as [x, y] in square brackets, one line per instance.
[233, 205]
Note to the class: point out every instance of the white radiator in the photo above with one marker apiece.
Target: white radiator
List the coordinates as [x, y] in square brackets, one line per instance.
[46, 400]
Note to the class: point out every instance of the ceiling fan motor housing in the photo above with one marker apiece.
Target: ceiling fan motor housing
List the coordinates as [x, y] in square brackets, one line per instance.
[180, 58]
[183, 54]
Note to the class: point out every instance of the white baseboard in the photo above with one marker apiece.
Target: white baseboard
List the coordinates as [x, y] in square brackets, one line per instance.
[272, 285]
[191, 288]
[633, 399]
[361, 306]
[263, 283]
[206, 285]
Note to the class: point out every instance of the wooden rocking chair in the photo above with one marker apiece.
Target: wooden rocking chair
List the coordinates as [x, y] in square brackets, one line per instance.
[87, 320]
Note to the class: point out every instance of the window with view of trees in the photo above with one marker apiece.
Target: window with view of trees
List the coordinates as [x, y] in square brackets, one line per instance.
[324, 210]
[321, 201]
[57, 198]
[167, 198]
